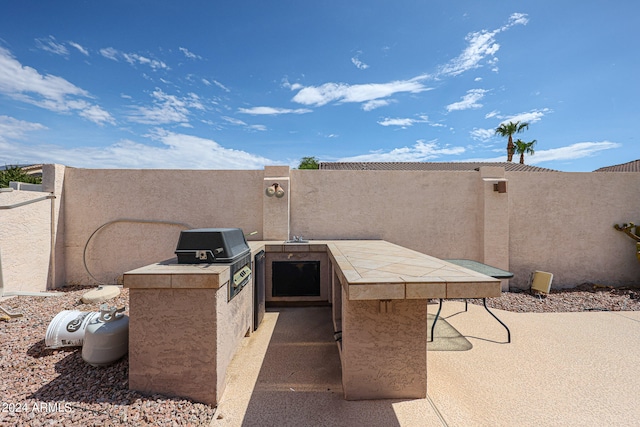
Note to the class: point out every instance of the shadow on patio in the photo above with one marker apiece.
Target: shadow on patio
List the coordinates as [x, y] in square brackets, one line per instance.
[561, 369]
[288, 374]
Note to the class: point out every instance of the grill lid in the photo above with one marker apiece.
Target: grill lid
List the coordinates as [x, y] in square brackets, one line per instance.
[211, 245]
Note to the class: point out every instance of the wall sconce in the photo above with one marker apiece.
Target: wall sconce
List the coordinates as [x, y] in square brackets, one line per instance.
[499, 184]
[275, 190]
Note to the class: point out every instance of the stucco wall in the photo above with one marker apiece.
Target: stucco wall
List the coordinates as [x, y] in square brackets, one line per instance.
[25, 241]
[195, 198]
[563, 223]
[234, 321]
[557, 222]
[432, 212]
[53, 182]
[165, 345]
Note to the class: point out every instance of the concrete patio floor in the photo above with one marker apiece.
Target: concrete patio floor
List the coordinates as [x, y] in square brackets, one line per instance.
[561, 369]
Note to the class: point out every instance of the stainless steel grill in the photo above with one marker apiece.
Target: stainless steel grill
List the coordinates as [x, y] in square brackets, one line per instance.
[218, 246]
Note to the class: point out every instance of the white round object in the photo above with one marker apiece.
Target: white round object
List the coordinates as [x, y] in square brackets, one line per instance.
[101, 294]
[67, 328]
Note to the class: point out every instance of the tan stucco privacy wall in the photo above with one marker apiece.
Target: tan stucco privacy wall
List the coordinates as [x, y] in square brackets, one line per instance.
[551, 221]
[30, 222]
[190, 199]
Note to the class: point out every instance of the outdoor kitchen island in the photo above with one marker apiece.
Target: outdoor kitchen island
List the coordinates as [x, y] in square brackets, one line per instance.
[380, 295]
[378, 290]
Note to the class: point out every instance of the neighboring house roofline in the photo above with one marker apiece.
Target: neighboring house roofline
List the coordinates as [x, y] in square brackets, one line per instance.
[633, 166]
[429, 166]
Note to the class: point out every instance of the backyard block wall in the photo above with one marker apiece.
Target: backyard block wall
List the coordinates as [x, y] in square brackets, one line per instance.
[431, 212]
[550, 221]
[28, 233]
[25, 241]
[191, 199]
[563, 223]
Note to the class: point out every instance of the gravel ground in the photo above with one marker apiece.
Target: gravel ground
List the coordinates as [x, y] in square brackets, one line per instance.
[586, 297]
[42, 387]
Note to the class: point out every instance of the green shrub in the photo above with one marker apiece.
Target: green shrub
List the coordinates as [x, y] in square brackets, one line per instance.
[15, 173]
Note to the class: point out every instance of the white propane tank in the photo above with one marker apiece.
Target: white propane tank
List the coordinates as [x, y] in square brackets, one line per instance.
[106, 339]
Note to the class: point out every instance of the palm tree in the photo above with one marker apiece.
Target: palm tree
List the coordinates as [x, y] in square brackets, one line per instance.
[524, 147]
[508, 129]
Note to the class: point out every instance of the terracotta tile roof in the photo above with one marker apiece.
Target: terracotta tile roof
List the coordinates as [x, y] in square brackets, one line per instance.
[429, 166]
[633, 166]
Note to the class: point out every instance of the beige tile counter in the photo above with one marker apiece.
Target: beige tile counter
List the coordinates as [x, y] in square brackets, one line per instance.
[184, 331]
[170, 274]
[376, 269]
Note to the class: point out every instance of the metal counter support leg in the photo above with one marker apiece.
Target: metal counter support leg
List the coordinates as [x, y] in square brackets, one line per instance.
[433, 327]
[484, 301]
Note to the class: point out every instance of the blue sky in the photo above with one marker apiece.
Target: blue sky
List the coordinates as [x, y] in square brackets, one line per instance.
[243, 84]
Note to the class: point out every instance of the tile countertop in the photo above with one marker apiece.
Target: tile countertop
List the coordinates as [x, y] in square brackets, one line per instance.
[169, 274]
[377, 269]
[367, 269]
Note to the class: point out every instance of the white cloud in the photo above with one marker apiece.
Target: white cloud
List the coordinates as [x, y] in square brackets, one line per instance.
[132, 58]
[517, 19]
[189, 54]
[272, 111]
[419, 152]
[12, 129]
[16, 79]
[571, 152]
[494, 113]
[470, 100]
[94, 113]
[109, 53]
[239, 122]
[166, 109]
[80, 48]
[358, 63]
[177, 151]
[397, 122]
[46, 91]
[482, 134]
[528, 117]
[233, 121]
[287, 85]
[403, 122]
[481, 44]
[372, 105]
[50, 44]
[221, 86]
[341, 92]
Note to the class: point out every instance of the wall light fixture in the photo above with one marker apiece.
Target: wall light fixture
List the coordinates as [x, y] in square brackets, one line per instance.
[275, 190]
[499, 184]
